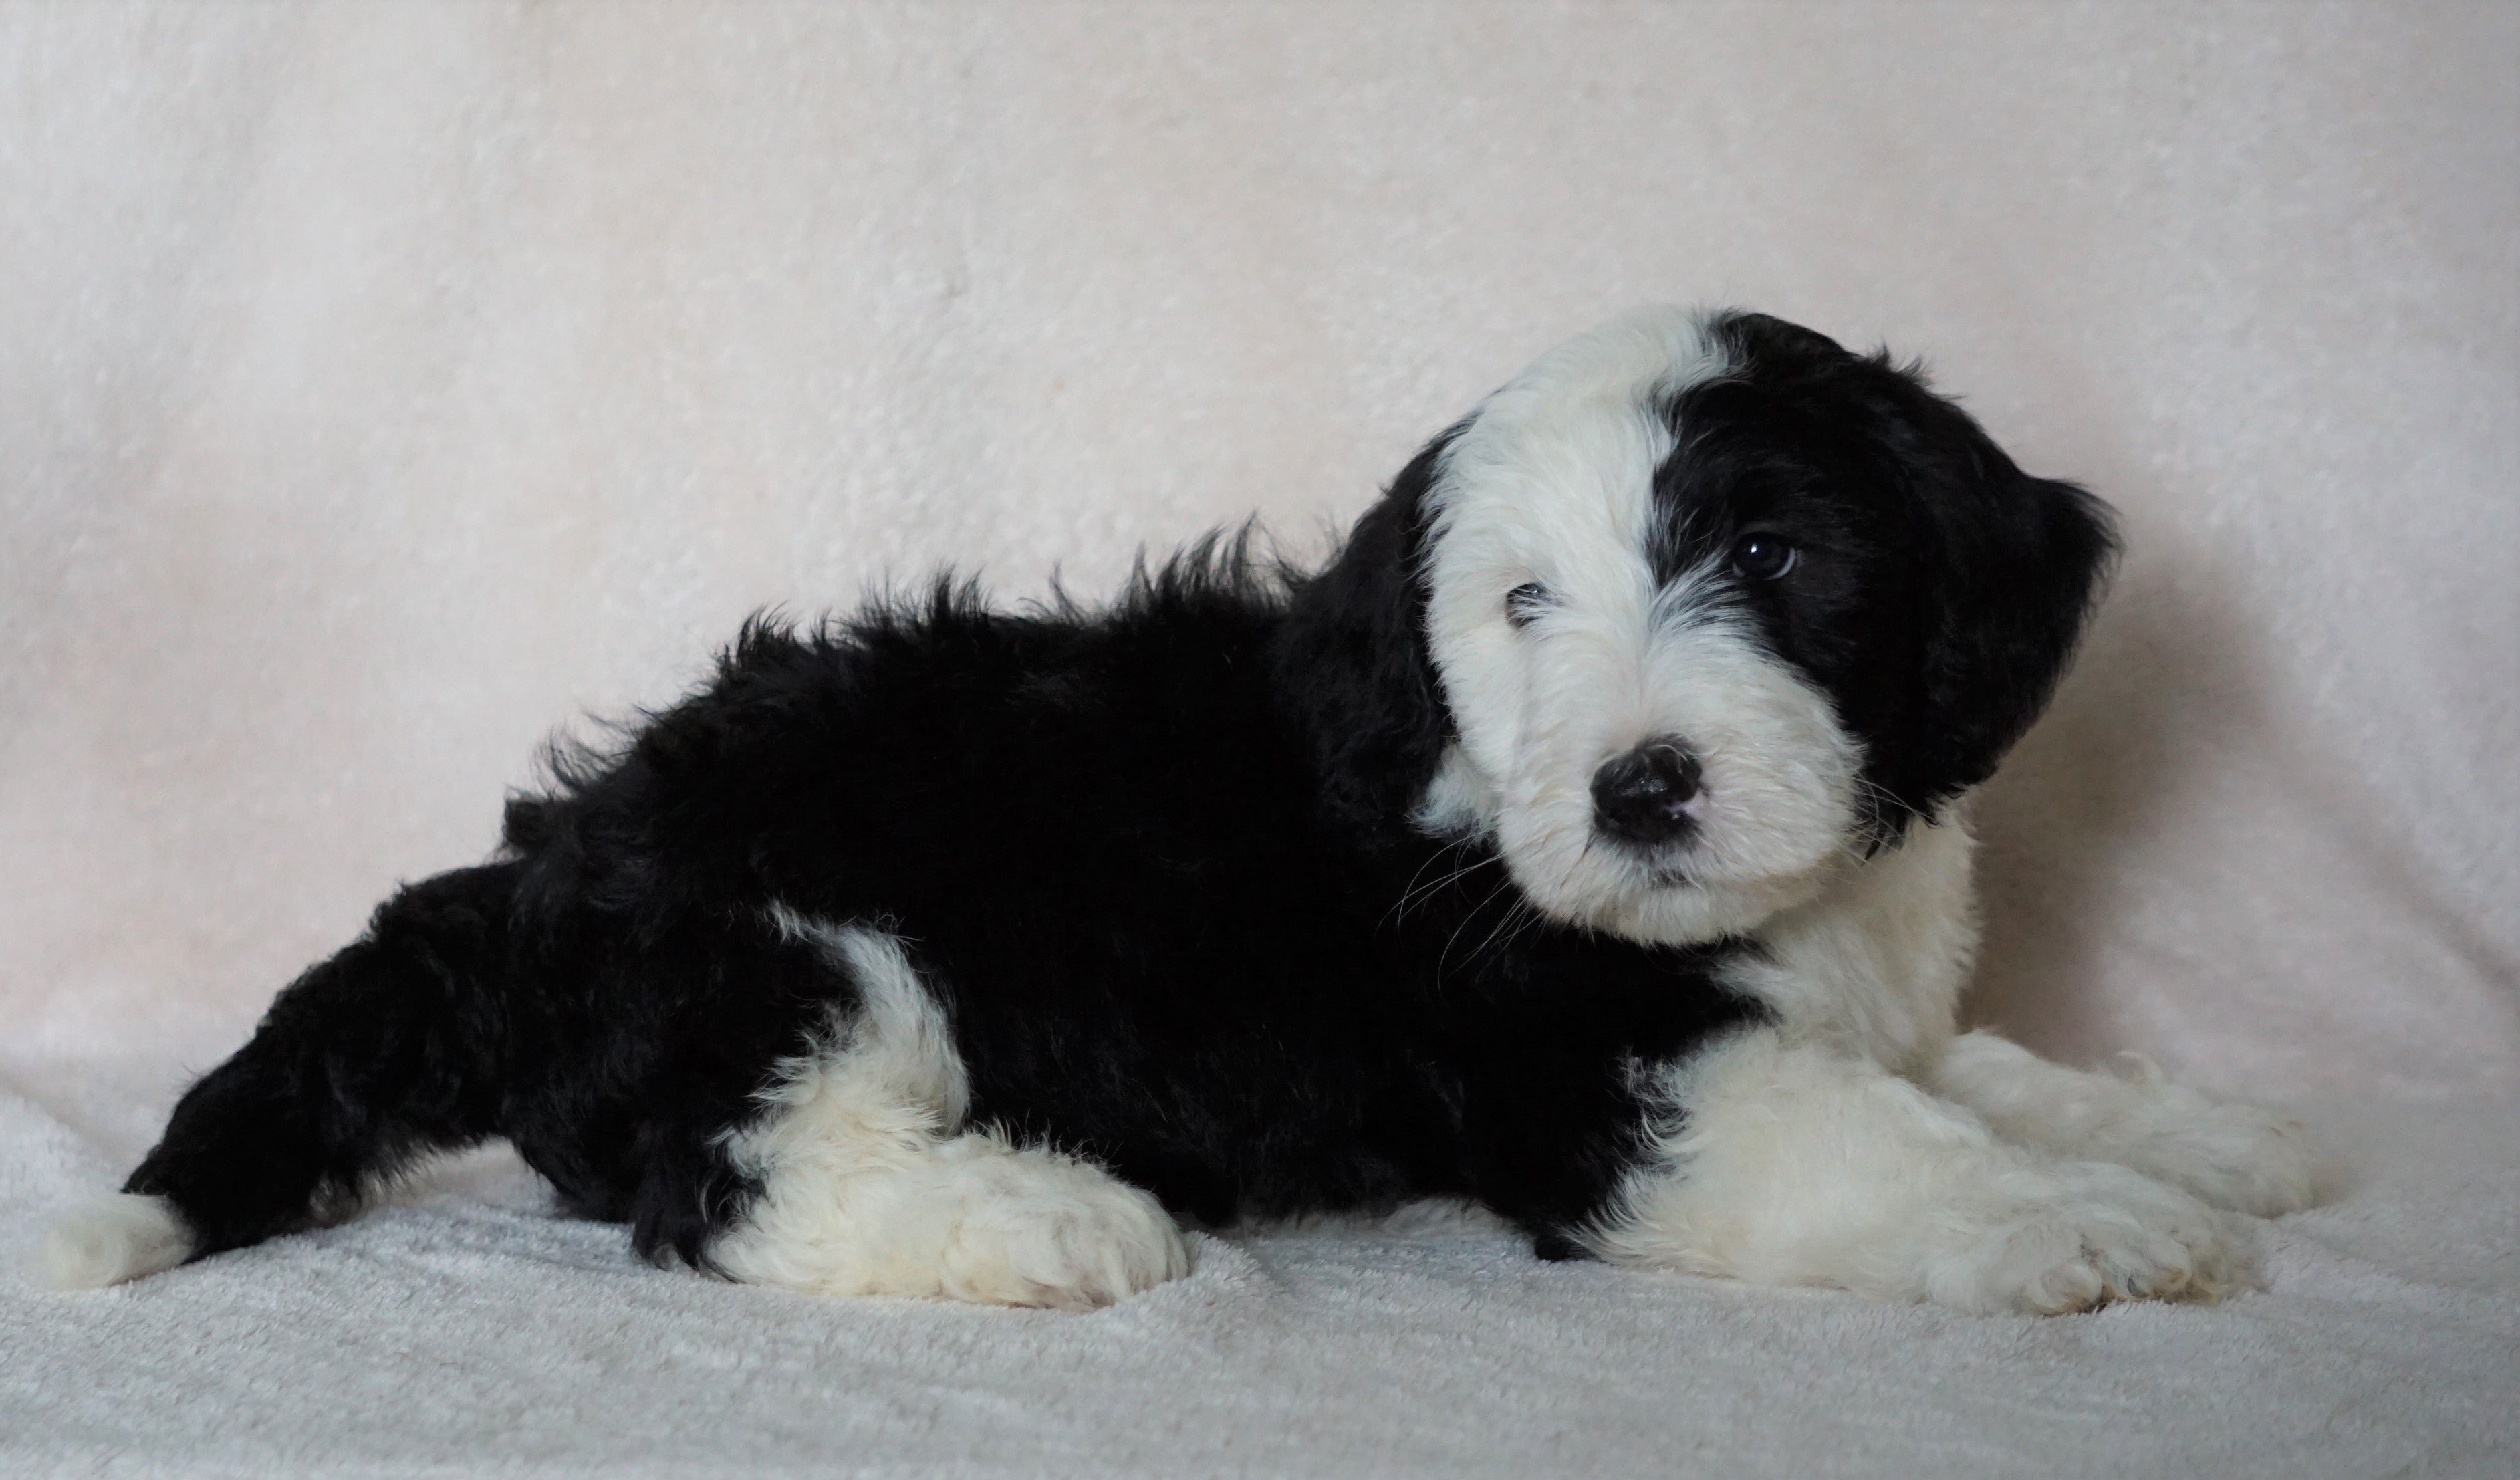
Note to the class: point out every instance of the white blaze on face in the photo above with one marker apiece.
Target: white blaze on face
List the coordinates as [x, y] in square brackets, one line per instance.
[1552, 482]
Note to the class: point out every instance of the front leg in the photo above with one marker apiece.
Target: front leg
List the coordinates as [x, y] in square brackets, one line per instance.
[2231, 1155]
[1792, 1163]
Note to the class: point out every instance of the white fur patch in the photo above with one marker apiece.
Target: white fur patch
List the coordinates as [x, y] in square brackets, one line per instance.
[124, 1237]
[2231, 1155]
[1551, 482]
[1798, 1155]
[1875, 965]
[872, 1185]
[1798, 1164]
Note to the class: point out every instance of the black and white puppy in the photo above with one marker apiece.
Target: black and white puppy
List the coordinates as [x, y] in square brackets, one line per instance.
[1580, 841]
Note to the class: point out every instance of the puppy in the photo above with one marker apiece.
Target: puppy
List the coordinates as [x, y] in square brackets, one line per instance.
[1581, 841]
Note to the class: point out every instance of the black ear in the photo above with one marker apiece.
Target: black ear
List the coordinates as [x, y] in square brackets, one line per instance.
[1763, 339]
[1353, 667]
[1995, 572]
[2011, 566]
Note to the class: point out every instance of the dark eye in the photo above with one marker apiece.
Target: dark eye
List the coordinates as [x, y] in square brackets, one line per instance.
[1763, 557]
[1526, 602]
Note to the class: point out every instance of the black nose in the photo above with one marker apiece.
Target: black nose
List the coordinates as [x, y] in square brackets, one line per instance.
[1642, 796]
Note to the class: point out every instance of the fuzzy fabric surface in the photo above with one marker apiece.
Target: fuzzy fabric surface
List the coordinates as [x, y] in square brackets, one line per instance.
[384, 387]
[466, 1328]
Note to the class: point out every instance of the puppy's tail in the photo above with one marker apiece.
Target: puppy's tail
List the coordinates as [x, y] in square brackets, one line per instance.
[391, 1049]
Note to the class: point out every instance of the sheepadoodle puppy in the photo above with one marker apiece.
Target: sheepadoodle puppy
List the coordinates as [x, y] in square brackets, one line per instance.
[1581, 841]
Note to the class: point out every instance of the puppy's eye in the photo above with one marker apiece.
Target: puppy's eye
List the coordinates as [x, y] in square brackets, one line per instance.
[1526, 602]
[1763, 557]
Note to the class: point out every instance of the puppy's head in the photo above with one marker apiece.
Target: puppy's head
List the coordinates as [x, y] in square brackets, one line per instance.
[1694, 610]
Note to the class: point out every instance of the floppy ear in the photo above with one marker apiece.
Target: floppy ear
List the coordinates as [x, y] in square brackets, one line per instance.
[2003, 567]
[2012, 565]
[1353, 667]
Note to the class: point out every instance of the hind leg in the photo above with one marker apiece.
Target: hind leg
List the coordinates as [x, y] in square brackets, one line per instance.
[127, 1235]
[367, 1060]
[2231, 1155]
[968, 1216]
[869, 1185]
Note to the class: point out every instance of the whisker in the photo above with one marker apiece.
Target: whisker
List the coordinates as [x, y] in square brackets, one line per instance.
[1417, 896]
[1411, 886]
[1457, 876]
[1532, 918]
[1581, 854]
[1517, 920]
[1474, 912]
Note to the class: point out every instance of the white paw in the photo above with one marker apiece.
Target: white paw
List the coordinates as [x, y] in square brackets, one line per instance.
[123, 1237]
[2081, 1235]
[1044, 1229]
[2233, 1156]
[971, 1218]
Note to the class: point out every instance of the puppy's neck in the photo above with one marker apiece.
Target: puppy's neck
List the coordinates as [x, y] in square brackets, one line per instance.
[1877, 961]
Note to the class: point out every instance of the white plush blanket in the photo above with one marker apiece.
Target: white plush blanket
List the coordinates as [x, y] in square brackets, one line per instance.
[469, 1329]
[383, 386]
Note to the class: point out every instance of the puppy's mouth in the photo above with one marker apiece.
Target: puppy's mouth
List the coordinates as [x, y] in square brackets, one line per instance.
[1666, 864]
[1669, 873]
[1662, 850]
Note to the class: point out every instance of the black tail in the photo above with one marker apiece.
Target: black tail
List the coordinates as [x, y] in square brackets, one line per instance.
[391, 1049]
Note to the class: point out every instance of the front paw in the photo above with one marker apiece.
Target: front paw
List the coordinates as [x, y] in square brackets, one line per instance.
[2231, 1155]
[2078, 1236]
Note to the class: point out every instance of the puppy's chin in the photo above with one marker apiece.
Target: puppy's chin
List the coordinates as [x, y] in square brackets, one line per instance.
[1666, 905]
[1683, 913]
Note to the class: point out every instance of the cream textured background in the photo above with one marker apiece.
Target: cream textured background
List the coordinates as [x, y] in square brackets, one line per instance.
[384, 386]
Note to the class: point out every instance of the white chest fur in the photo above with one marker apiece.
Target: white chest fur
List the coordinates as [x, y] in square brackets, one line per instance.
[1874, 965]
